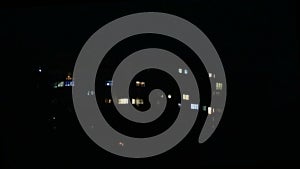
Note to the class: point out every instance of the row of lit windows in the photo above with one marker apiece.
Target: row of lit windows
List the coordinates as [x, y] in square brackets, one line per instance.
[91, 93]
[126, 101]
[137, 101]
[63, 84]
[123, 101]
[183, 71]
[194, 106]
[211, 110]
[211, 75]
[139, 84]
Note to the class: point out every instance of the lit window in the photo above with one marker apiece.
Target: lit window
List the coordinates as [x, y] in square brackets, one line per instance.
[186, 97]
[60, 84]
[219, 86]
[139, 101]
[204, 108]
[194, 106]
[107, 100]
[209, 74]
[90, 93]
[108, 83]
[121, 144]
[69, 83]
[137, 83]
[169, 96]
[209, 110]
[185, 71]
[68, 77]
[132, 101]
[180, 70]
[123, 101]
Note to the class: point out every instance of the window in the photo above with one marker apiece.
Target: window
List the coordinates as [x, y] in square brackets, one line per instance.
[107, 100]
[209, 110]
[139, 101]
[180, 70]
[60, 84]
[139, 84]
[194, 106]
[90, 93]
[185, 71]
[186, 97]
[123, 101]
[219, 86]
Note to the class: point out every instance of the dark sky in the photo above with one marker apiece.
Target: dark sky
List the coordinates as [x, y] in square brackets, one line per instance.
[257, 42]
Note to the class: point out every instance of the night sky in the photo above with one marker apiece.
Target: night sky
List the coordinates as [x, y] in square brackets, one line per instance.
[257, 42]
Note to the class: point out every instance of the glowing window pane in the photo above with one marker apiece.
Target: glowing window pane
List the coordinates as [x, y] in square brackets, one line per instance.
[132, 101]
[60, 84]
[186, 97]
[194, 106]
[209, 110]
[185, 71]
[219, 86]
[123, 101]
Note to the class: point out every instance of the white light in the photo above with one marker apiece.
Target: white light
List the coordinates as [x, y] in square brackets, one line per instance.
[185, 71]
[40, 70]
[60, 84]
[132, 101]
[90, 93]
[169, 96]
[180, 70]
[194, 106]
[121, 144]
[209, 74]
[109, 83]
[209, 110]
